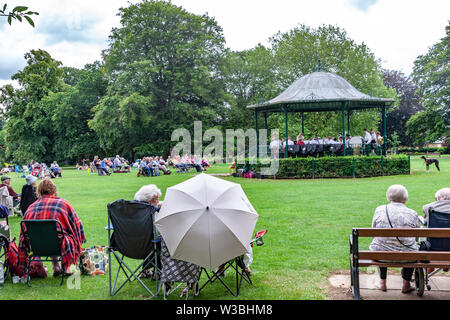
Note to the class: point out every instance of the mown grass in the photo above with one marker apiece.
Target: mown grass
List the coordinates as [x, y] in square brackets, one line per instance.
[308, 222]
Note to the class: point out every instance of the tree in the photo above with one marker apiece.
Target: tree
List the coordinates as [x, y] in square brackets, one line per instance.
[249, 78]
[163, 65]
[29, 130]
[297, 53]
[409, 105]
[18, 13]
[432, 74]
[72, 111]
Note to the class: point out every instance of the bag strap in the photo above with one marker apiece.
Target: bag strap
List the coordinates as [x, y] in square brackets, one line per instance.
[387, 215]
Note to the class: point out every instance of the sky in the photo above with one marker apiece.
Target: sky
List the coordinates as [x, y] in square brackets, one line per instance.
[76, 32]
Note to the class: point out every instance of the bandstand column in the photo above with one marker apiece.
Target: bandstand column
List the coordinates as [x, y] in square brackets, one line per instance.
[286, 133]
[257, 136]
[343, 130]
[384, 132]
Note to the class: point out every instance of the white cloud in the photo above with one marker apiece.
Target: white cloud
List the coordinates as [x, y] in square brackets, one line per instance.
[75, 32]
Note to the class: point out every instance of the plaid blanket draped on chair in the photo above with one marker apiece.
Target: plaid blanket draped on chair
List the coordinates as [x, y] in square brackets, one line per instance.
[52, 207]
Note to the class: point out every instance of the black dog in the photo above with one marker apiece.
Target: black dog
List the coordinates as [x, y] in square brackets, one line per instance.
[431, 161]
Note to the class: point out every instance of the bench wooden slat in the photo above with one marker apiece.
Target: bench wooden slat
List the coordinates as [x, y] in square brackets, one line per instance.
[404, 232]
[432, 264]
[405, 255]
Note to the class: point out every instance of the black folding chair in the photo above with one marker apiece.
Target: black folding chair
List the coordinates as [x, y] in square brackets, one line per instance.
[43, 239]
[241, 274]
[133, 237]
[236, 264]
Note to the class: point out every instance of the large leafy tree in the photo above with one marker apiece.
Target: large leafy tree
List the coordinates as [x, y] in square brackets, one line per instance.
[163, 65]
[29, 130]
[72, 111]
[249, 77]
[432, 74]
[409, 105]
[297, 53]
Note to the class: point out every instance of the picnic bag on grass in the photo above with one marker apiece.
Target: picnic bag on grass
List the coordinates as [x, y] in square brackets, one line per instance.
[37, 269]
[94, 261]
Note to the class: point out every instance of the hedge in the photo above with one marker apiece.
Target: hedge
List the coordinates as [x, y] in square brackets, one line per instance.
[335, 167]
[442, 150]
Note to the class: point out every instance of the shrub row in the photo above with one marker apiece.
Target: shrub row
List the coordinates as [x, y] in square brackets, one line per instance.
[334, 167]
[442, 150]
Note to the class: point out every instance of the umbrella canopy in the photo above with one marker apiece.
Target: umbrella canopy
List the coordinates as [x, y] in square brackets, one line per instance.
[206, 221]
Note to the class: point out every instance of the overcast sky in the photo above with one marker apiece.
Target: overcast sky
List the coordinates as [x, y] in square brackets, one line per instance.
[75, 32]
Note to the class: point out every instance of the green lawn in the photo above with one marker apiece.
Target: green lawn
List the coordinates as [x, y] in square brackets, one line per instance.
[308, 222]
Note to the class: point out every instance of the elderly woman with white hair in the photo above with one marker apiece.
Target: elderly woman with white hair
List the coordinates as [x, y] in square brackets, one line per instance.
[149, 194]
[395, 215]
[442, 203]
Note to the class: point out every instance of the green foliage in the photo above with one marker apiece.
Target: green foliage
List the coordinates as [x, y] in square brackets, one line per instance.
[18, 13]
[442, 150]
[394, 142]
[409, 105]
[29, 130]
[432, 75]
[47, 119]
[296, 54]
[336, 167]
[163, 66]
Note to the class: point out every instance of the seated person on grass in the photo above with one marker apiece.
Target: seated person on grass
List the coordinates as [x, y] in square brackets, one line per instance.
[149, 194]
[6, 182]
[146, 167]
[50, 206]
[28, 195]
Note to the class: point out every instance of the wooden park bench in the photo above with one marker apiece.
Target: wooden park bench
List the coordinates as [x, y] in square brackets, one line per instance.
[422, 259]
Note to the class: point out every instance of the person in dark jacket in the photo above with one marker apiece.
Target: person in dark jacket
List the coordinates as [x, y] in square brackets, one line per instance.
[28, 193]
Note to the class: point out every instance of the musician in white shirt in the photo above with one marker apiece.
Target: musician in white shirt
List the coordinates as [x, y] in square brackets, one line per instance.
[367, 137]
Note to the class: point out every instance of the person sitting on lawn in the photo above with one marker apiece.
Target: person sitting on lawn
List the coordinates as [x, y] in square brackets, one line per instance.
[50, 206]
[149, 194]
[55, 170]
[146, 167]
[28, 195]
[442, 203]
[103, 168]
[197, 163]
[395, 215]
[162, 165]
[205, 164]
[6, 182]
[155, 166]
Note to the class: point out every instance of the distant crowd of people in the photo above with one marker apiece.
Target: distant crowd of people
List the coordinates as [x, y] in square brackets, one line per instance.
[105, 166]
[151, 166]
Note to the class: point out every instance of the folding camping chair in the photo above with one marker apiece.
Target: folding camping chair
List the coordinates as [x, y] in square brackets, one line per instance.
[133, 237]
[237, 264]
[44, 239]
[19, 172]
[5, 237]
[177, 273]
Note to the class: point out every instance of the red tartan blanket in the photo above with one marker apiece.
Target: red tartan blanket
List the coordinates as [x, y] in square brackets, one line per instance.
[52, 207]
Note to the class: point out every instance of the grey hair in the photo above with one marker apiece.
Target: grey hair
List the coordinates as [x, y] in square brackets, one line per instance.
[147, 193]
[443, 194]
[397, 193]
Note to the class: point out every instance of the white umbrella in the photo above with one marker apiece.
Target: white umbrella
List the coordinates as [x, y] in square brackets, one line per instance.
[206, 221]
